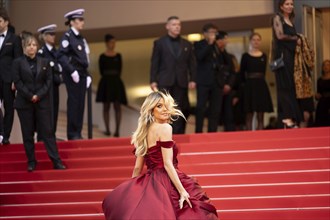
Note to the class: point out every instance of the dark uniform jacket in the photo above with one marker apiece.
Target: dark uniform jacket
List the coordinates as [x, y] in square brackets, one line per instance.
[27, 85]
[72, 53]
[52, 57]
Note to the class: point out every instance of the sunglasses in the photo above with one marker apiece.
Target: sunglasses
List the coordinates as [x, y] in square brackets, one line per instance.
[51, 33]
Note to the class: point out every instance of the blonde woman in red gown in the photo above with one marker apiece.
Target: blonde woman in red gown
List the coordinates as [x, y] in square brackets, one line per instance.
[164, 192]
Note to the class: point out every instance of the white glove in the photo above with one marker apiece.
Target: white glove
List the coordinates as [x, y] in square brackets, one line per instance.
[60, 69]
[88, 81]
[75, 76]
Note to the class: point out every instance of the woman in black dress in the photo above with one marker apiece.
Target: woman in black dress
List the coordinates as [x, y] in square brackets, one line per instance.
[322, 116]
[285, 40]
[256, 94]
[111, 88]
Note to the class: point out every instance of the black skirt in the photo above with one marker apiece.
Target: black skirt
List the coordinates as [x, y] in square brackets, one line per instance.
[257, 96]
[111, 89]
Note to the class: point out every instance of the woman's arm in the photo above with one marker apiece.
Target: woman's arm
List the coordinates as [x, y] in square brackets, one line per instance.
[278, 29]
[43, 91]
[19, 83]
[139, 162]
[167, 153]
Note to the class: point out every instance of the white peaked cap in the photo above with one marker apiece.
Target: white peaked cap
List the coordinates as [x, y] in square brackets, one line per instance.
[48, 28]
[78, 13]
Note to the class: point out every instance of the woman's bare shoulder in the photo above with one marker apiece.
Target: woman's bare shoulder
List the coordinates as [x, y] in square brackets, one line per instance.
[164, 130]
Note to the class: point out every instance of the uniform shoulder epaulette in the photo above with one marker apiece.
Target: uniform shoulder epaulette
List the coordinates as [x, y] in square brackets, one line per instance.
[67, 34]
[40, 51]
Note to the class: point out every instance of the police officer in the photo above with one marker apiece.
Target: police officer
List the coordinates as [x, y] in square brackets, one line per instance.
[48, 50]
[73, 57]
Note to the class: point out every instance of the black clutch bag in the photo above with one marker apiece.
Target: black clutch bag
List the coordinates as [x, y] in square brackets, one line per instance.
[277, 64]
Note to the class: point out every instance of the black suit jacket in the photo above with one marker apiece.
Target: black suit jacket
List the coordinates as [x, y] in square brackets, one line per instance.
[27, 85]
[206, 63]
[11, 49]
[167, 69]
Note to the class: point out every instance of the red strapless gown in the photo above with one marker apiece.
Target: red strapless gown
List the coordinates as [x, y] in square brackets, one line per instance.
[153, 196]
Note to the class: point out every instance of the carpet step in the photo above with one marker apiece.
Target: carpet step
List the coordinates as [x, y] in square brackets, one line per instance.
[242, 144]
[71, 163]
[269, 135]
[85, 184]
[112, 151]
[93, 216]
[309, 155]
[255, 155]
[223, 204]
[312, 213]
[319, 213]
[267, 189]
[271, 202]
[185, 149]
[213, 191]
[92, 170]
[237, 144]
[53, 196]
[51, 208]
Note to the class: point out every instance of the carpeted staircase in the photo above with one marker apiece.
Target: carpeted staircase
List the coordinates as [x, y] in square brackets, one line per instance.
[268, 175]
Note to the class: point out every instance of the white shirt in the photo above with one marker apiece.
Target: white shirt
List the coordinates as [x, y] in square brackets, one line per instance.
[49, 47]
[2, 39]
[75, 31]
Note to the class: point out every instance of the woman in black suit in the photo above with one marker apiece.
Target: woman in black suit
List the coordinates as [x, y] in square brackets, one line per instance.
[33, 78]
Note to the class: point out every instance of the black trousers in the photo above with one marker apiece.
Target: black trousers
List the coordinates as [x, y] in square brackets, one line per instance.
[228, 112]
[8, 103]
[208, 97]
[75, 106]
[35, 116]
[180, 95]
[56, 101]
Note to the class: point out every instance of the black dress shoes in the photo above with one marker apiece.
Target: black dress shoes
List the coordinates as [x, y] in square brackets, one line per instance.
[59, 166]
[31, 167]
[5, 141]
[75, 138]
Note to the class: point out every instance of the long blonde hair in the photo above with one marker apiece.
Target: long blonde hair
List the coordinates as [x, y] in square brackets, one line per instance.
[139, 137]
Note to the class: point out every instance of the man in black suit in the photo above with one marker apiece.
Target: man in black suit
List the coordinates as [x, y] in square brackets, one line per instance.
[10, 48]
[209, 83]
[173, 68]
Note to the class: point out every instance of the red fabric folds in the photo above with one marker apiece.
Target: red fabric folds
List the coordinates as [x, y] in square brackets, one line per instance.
[153, 196]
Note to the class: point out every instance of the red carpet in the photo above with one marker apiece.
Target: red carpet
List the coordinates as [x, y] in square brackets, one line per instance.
[266, 175]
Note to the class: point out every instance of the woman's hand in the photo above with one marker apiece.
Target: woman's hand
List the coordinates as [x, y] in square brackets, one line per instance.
[35, 99]
[184, 196]
[298, 41]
